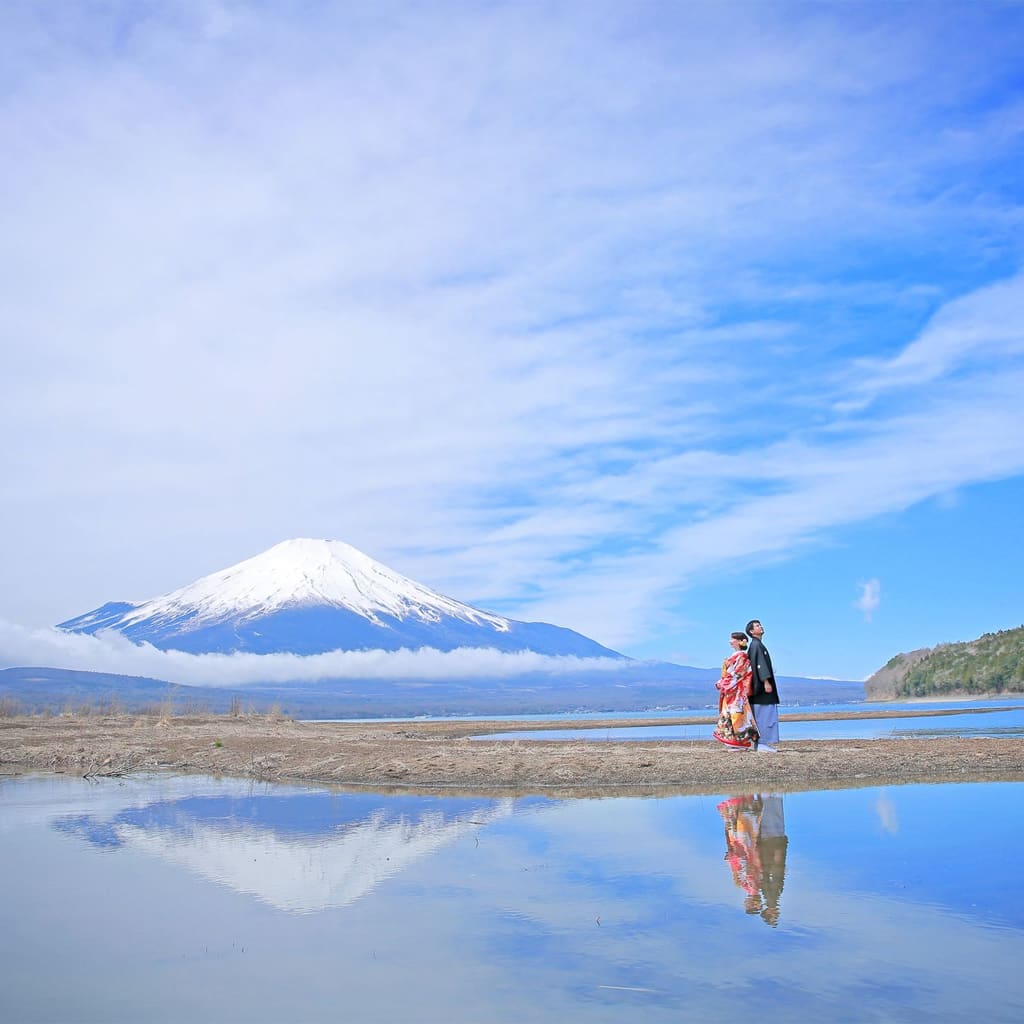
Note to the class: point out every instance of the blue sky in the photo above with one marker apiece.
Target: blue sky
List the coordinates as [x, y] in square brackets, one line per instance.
[643, 319]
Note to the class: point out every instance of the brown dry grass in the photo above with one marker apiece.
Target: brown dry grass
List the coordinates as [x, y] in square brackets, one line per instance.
[441, 755]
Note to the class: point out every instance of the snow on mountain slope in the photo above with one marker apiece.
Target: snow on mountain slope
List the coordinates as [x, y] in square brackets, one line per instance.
[309, 596]
[303, 573]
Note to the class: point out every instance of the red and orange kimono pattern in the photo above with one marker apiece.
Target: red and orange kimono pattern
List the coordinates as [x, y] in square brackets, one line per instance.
[736, 727]
[741, 816]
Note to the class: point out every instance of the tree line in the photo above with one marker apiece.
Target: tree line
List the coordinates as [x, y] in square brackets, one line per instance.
[994, 663]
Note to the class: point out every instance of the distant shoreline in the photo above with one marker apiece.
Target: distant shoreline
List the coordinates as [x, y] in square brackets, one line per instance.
[947, 697]
[440, 755]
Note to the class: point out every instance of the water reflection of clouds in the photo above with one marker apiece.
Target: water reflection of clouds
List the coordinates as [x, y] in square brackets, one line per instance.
[299, 851]
[676, 931]
[612, 905]
[887, 816]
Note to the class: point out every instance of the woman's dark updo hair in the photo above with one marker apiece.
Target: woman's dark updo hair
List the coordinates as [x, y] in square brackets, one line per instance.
[739, 636]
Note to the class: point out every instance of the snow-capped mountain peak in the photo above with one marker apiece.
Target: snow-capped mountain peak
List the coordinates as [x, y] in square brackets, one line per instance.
[307, 572]
[312, 596]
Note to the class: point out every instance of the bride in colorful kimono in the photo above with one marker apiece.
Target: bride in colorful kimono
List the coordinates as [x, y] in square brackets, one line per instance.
[736, 727]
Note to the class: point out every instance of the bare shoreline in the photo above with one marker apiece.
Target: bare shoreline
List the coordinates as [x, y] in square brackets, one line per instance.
[440, 755]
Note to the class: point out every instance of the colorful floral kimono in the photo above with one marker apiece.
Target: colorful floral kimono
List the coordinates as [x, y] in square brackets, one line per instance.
[736, 727]
[741, 816]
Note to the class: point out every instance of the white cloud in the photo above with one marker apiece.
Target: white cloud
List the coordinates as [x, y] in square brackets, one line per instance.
[111, 652]
[870, 598]
[552, 309]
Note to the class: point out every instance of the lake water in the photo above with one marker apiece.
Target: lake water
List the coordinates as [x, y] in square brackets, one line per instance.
[194, 899]
[971, 718]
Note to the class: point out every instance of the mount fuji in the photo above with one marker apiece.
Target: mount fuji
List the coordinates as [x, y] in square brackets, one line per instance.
[312, 596]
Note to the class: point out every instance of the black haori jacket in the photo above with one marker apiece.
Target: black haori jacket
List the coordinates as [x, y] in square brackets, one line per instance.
[761, 663]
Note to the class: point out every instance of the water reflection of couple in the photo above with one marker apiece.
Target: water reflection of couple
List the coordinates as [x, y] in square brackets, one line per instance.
[755, 849]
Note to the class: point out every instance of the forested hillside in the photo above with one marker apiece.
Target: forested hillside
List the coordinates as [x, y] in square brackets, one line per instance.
[992, 664]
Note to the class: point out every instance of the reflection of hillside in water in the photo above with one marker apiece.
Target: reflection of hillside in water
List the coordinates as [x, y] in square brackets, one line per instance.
[302, 852]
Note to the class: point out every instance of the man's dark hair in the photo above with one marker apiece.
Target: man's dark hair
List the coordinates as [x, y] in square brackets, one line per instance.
[750, 626]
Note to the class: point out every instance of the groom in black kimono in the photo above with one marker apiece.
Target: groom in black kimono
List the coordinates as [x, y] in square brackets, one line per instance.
[764, 694]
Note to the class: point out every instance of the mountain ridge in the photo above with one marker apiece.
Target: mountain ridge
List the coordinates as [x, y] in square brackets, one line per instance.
[311, 596]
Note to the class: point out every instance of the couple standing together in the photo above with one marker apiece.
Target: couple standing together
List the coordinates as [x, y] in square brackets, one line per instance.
[748, 699]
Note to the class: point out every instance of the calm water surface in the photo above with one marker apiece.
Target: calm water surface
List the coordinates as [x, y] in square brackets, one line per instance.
[195, 899]
[996, 718]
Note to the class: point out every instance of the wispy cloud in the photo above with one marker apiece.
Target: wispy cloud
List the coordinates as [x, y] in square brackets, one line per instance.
[978, 331]
[557, 309]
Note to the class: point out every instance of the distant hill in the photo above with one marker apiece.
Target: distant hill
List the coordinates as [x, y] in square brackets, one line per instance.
[637, 686]
[53, 690]
[991, 665]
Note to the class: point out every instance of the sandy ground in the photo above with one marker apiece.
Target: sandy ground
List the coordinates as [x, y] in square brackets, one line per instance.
[433, 756]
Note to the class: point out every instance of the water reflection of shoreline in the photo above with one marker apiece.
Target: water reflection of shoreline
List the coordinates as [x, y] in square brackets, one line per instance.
[755, 850]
